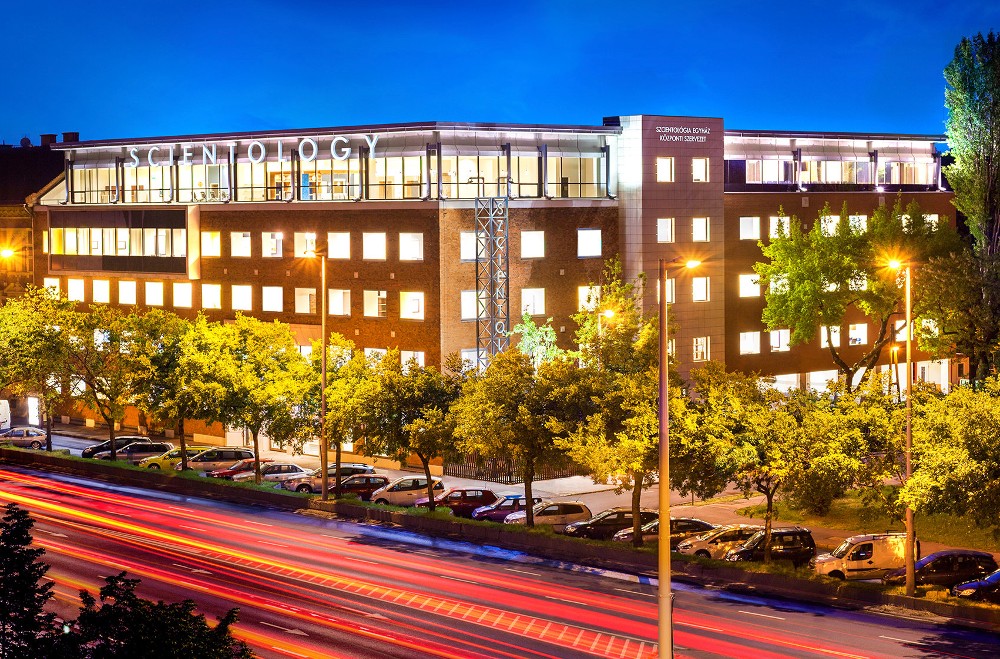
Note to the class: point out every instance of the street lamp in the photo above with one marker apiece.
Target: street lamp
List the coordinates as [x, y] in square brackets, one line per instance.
[911, 535]
[664, 596]
[324, 477]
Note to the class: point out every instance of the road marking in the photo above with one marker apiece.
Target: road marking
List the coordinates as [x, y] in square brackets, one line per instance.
[297, 632]
[193, 528]
[361, 560]
[250, 521]
[442, 576]
[273, 544]
[902, 640]
[534, 574]
[286, 651]
[706, 628]
[192, 569]
[55, 533]
[762, 615]
[635, 592]
[562, 600]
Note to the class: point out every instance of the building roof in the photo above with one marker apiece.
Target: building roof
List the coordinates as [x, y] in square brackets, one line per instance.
[26, 170]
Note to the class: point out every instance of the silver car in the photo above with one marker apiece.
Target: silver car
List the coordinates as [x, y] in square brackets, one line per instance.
[273, 472]
[717, 542]
[23, 437]
[556, 514]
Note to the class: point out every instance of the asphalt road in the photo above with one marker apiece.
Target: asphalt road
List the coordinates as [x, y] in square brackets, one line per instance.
[312, 587]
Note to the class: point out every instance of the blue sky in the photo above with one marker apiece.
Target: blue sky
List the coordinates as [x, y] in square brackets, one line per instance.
[183, 67]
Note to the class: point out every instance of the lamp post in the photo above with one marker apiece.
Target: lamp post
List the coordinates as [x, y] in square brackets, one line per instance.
[323, 458]
[911, 535]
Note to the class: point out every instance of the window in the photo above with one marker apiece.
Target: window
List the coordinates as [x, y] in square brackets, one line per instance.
[271, 245]
[468, 305]
[834, 337]
[532, 244]
[211, 243]
[339, 302]
[304, 244]
[701, 351]
[588, 297]
[471, 355]
[411, 247]
[467, 248]
[664, 170]
[749, 343]
[749, 286]
[407, 356]
[375, 304]
[779, 226]
[154, 293]
[931, 220]
[900, 330]
[375, 354]
[700, 289]
[665, 230]
[373, 246]
[779, 284]
[272, 299]
[699, 229]
[857, 335]
[780, 340]
[305, 300]
[126, 292]
[239, 243]
[533, 301]
[828, 224]
[211, 296]
[242, 297]
[411, 305]
[102, 291]
[74, 290]
[588, 243]
[859, 223]
[182, 294]
[338, 244]
[749, 228]
[699, 170]
[671, 292]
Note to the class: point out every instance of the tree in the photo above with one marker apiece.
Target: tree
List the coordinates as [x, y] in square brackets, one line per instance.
[25, 627]
[536, 341]
[347, 373]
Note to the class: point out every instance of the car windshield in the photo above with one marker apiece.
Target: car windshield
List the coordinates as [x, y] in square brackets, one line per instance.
[754, 539]
[841, 551]
[924, 561]
[993, 578]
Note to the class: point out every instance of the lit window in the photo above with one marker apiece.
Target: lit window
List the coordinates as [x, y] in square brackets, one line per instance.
[532, 244]
[271, 245]
[74, 290]
[699, 229]
[665, 230]
[182, 294]
[340, 302]
[154, 293]
[211, 296]
[699, 170]
[859, 223]
[239, 243]
[411, 305]
[533, 301]
[304, 244]
[749, 228]
[671, 291]
[375, 354]
[588, 243]
[834, 337]
[749, 343]
[780, 340]
[407, 356]
[779, 226]
[411, 247]
[701, 351]
[754, 171]
[375, 304]
[664, 170]
[700, 289]
[102, 291]
[305, 351]
[857, 335]
[828, 224]
[471, 355]
[468, 305]
[373, 246]
[242, 297]
[338, 244]
[779, 284]
[467, 247]
[126, 292]
[211, 243]
[179, 241]
[305, 300]
[588, 297]
[900, 330]
[932, 220]
[749, 286]
[272, 299]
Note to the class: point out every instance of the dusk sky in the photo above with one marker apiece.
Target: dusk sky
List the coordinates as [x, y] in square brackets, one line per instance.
[186, 67]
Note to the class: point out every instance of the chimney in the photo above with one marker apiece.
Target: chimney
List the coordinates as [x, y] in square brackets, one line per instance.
[48, 138]
[71, 137]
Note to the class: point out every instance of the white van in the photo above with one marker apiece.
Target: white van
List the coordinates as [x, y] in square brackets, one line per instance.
[865, 556]
[4, 414]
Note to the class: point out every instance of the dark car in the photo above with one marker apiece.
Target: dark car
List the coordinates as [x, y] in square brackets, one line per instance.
[120, 443]
[362, 485]
[681, 528]
[505, 505]
[238, 467]
[794, 544]
[23, 437]
[313, 481]
[986, 589]
[136, 452]
[604, 525]
[461, 500]
[946, 568]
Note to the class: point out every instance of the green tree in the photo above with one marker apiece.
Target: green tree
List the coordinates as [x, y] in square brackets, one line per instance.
[25, 628]
[536, 341]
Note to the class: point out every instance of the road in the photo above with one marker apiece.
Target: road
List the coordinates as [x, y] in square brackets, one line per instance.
[312, 587]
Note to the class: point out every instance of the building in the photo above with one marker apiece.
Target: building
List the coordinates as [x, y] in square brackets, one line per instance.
[231, 223]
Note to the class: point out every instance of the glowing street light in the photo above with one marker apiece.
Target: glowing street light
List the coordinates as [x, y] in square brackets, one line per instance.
[911, 535]
[323, 458]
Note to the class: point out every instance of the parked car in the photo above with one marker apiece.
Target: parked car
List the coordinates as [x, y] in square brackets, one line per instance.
[866, 556]
[136, 452]
[362, 485]
[217, 458]
[313, 481]
[986, 589]
[120, 442]
[947, 568]
[404, 491]
[681, 528]
[461, 500]
[505, 505]
[23, 437]
[237, 467]
[274, 472]
[605, 524]
[718, 541]
[170, 458]
[556, 514]
[793, 544]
